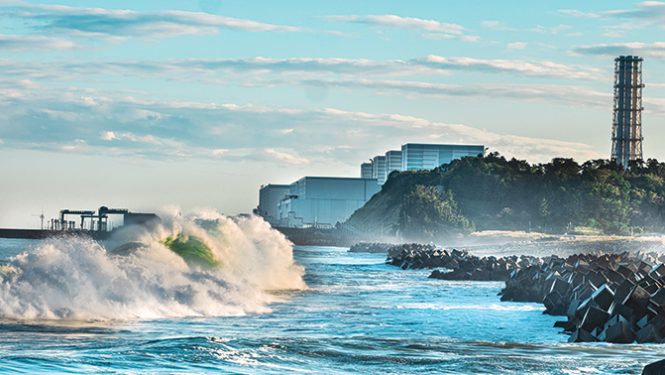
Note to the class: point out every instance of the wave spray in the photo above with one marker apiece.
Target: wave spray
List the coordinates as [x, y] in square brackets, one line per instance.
[74, 278]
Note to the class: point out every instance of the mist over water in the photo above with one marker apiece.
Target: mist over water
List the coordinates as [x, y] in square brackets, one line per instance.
[81, 279]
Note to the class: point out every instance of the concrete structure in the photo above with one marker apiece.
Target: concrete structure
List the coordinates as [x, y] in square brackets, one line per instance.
[324, 201]
[393, 162]
[379, 169]
[416, 156]
[627, 124]
[269, 197]
[366, 170]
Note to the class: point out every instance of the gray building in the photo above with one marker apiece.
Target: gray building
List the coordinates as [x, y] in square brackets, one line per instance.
[269, 197]
[417, 156]
[366, 170]
[324, 201]
[379, 169]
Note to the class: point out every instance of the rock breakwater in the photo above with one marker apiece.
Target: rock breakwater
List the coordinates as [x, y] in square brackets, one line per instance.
[370, 247]
[459, 265]
[618, 298]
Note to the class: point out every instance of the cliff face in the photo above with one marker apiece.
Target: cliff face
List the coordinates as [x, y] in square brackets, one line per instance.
[491, 192]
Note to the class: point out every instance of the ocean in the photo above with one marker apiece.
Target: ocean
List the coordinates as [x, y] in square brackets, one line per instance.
[356, 315]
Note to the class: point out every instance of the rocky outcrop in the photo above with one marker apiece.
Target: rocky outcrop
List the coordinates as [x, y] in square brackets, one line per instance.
[618, 298]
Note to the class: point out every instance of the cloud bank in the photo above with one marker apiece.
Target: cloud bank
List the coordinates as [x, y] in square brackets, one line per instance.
[88, 123]
[113, 23]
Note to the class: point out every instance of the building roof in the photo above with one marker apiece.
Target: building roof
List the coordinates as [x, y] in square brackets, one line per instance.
[275, 185]
[335, 178]
[441, 145]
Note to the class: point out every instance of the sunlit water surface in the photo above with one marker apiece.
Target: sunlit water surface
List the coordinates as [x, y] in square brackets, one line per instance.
[359, 316]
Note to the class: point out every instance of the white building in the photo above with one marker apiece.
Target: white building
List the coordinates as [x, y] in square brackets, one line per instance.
[324, 201]
[269, 197]
[379, 169]
[416, 156]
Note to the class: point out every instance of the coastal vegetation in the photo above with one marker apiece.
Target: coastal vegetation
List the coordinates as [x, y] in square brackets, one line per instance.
[494, 193]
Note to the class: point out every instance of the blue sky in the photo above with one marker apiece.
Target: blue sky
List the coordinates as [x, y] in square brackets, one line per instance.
[197, 103]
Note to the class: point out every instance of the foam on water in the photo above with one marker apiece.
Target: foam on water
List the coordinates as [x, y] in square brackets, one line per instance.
[78, 279]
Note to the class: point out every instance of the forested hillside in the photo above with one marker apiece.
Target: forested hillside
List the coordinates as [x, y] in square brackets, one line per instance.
[491, 192]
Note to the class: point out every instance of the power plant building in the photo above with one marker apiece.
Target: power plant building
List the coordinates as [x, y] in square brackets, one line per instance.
[379, 169]
[627, 122]
[393, 162]
[366, 170]
[324, 201]
[269, 197]
[417, 156]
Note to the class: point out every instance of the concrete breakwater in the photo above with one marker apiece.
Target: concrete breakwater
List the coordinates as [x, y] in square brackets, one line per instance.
[460, 264]
[618, 298]
[371, 247]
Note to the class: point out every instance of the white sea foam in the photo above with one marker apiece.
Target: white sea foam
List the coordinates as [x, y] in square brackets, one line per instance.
[78, 279]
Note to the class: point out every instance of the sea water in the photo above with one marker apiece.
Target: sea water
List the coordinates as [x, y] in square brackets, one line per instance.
[357, 315]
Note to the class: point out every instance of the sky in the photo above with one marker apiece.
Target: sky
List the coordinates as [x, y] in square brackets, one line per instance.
[196, 104]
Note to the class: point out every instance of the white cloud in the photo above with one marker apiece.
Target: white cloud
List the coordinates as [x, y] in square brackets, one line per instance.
[528, 68]
[250, 132]
[568, 95]
[113, 23]
[646, 12]
[219, 152]
[204, 70]
[428, 26]
[554, 30]
[579, 13]
[79, 145]
[655, 49]
[109, 136]
[496, 25]
[287, 156]
[516, 45]
[32, 42]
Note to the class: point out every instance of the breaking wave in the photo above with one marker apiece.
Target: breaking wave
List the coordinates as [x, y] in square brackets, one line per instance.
[81, 279]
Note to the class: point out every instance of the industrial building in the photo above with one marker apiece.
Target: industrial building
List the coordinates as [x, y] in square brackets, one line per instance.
[393, 162]
[323, 201]
[417, 156]
[627, 123]
[269, 197]
[98, 221]
[366, 170]
[379, 169]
